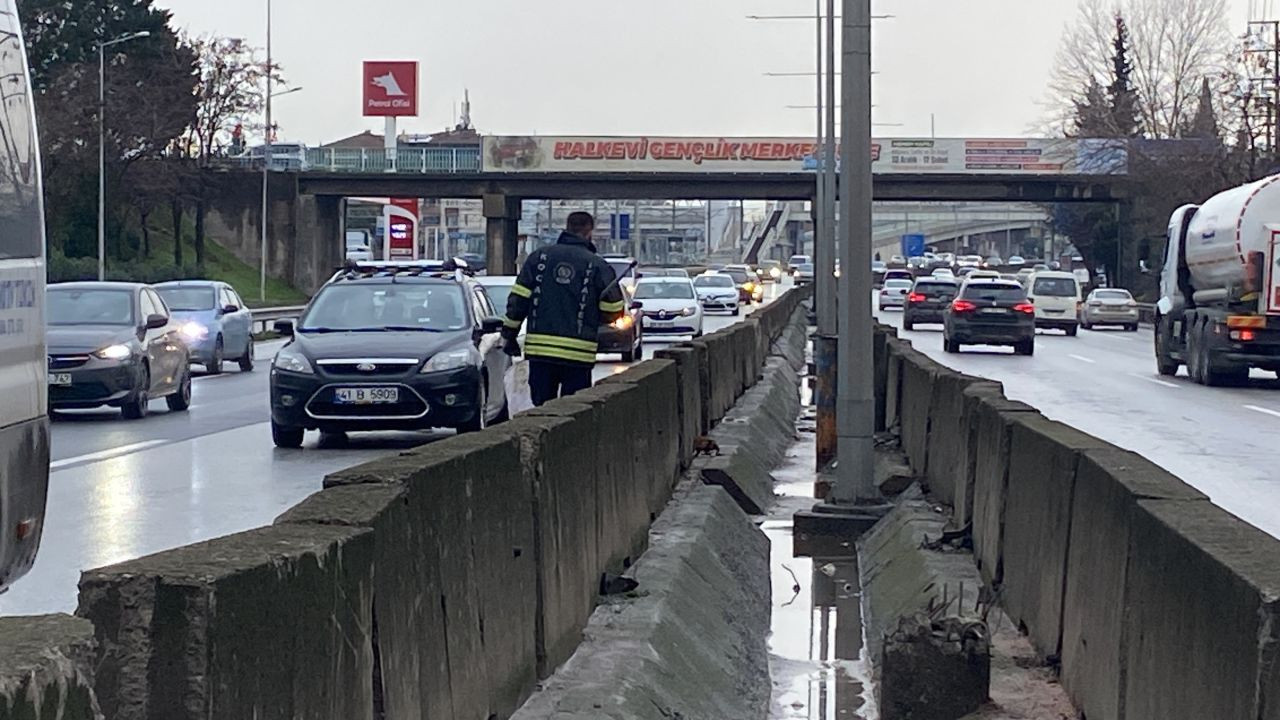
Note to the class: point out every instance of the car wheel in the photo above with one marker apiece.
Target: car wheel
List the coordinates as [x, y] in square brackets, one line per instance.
[478, 423]
[1072, 331]
[1133, 327]
[504, 414]
[246, 360]
[908, 325]
[215, 365]
[180, 400]
[1026, 347]
[138, 406]
[1086, 325]
[629, 355]
[737, 311]
[950, 346]
[285, 436]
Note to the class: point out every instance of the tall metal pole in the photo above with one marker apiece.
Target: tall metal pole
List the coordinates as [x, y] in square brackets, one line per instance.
[819, 210]
[826, 387]
[266, 170]
[102, 162]
[830, 193]
[855, 481]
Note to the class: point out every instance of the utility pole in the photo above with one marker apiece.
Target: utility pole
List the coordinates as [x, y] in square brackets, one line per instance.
[826, 342]
[266, 174]
[855, 481]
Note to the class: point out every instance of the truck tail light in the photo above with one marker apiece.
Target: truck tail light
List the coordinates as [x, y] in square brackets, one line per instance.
[963, 306]
[1243, 335]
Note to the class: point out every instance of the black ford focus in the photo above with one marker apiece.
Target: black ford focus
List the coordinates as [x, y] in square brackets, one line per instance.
[390, 349]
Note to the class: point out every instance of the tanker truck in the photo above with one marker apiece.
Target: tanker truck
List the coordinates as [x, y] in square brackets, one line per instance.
[1219, 308]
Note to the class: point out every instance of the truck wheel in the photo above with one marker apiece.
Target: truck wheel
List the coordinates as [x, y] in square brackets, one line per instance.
[1192, 353]
[1165, 364]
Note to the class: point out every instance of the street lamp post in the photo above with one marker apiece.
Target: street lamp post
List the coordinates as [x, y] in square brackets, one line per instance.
[102, 146]
[266, 169]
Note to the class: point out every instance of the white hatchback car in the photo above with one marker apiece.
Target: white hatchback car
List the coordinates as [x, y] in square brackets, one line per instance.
[670, 306]
[717, 291]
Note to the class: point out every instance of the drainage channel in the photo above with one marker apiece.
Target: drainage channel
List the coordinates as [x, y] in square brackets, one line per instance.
[817, 651]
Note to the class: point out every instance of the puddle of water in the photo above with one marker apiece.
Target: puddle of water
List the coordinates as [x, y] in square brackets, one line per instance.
[817, 651]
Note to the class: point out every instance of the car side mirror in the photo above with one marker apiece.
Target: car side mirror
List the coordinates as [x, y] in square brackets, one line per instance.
[637, 305]
[284, 328]
[228, 309]
[156, 321]
[491, 325]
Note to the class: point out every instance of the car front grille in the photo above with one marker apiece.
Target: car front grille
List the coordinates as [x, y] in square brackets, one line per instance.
[368, 368]
[67, 362]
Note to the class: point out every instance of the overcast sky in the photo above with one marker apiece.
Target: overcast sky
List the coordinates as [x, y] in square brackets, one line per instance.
[675, 67]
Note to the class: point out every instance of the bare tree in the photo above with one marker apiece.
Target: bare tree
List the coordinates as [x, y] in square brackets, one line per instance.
[1176, 45]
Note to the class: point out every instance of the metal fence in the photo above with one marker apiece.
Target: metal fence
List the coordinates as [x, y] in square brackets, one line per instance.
[406, 160]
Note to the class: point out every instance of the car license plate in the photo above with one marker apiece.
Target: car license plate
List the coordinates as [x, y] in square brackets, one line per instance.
[996, 311]
[59, 378]
[366, 395]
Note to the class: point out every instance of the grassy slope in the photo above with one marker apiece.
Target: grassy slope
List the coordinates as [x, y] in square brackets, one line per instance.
[221, 264]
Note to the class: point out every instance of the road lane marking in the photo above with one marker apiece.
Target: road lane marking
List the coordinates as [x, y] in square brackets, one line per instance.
[109, 454]
[1264, 411]
[1155, 381]
[1084, 359]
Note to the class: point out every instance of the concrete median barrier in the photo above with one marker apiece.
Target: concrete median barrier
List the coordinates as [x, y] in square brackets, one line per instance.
[721, 383]
[1042, 471]
[1202, 635]
[1109, 484]
[657, 436]
[690, 643]
[893, 383]
[688, 398]
[273, 622]
[918, 376]
[949, 449]
[992, 416]
[46, 668]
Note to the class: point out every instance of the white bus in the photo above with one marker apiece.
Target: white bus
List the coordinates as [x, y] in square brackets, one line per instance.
[24, 416]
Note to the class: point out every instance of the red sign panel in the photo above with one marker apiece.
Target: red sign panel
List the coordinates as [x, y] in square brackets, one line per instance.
[401, 231]
[390, 88]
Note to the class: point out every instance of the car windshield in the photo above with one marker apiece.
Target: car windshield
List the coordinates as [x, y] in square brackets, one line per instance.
[1054, 287]
[806, 267]
[935, 289]
[895, 283]
[994, 293]
[739, 276]
[798, 260]
[386, 306]
[664, 291]
[714, 281]
[498, 295]
[187, 298]
[621, 268]
[90, 307]
[1113, 295]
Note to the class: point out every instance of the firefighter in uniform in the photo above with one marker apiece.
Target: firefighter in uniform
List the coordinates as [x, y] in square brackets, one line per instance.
[565, 292]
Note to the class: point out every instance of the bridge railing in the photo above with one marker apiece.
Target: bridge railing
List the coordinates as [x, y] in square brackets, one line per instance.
[407, 160]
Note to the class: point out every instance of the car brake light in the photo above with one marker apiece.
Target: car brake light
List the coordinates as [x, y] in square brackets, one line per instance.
[963, 306]
[1027, 308]
[1243, 335]
[915, 297]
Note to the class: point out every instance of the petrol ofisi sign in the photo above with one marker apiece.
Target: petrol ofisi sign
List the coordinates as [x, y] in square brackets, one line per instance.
[390, 88]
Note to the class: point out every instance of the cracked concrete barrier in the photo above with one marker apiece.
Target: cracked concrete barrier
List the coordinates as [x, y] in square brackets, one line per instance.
[690, 642]
[1043, 455]
[918, 376]
[689, 397]
[1202, 616]
[453, 523]
[1109, 484]
[46, 668]
[269, 623]
[656, 444]
[949, 451]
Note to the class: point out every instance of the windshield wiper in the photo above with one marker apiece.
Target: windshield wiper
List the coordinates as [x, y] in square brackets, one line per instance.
[320, 330]
[411, 328]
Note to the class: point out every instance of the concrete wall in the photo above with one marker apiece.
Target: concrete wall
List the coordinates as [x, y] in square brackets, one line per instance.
[445, 582]
[1155, 602]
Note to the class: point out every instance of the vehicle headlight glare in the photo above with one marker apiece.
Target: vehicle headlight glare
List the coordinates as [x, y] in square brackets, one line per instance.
[194, 331]
[290, 360]
[449, 360]
[624, 322]
[689, 311]
[114, 352]
[776, 272]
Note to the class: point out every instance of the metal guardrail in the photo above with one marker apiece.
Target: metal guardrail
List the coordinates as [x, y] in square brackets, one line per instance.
[265, 318]
[1147, 313]
[417, 161]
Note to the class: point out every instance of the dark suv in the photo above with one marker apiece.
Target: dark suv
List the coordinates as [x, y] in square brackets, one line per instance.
[394, 348]
[928, 301]
[990, 312]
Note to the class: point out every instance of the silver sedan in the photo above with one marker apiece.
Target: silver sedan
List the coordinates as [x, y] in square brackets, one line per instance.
[1109, 306]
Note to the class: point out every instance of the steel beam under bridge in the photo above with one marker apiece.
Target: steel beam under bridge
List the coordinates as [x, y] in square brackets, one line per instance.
[715, 186]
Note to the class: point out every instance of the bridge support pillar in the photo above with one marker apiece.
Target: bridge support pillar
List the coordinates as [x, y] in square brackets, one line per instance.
[502, 228]
[318, 244]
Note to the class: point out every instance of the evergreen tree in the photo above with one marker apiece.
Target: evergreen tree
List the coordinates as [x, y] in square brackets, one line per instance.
[1093, 113]
[1121, 93]
[1205, 124]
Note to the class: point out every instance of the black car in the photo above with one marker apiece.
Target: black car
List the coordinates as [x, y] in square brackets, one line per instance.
[392, 349]
[990, 312]
[928, 301]
[625, 335]
[114, 344]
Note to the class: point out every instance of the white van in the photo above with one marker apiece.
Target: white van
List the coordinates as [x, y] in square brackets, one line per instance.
[1056, 296]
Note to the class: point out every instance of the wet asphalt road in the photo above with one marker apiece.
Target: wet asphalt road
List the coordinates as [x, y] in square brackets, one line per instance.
[123, 489]
[1220, 440]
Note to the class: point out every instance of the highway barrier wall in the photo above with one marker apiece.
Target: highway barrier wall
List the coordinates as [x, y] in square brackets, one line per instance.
[443, 582]
[1155, 602]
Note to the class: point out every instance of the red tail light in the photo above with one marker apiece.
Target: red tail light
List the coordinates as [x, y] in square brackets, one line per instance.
[963, 306]
[1027, 308]
[915, 297]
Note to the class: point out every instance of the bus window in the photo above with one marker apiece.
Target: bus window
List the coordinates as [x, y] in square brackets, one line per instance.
[24, 422]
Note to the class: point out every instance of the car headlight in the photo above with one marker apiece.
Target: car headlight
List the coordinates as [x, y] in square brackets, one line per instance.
[689, 311]
[114, 352]
[776, 272]
[450, 360]
[749, 287]
[623, 322]
[290, 360]
[194, 331]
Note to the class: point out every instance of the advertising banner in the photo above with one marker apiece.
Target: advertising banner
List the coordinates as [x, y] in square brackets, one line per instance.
[390, 88]
[889, 156]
